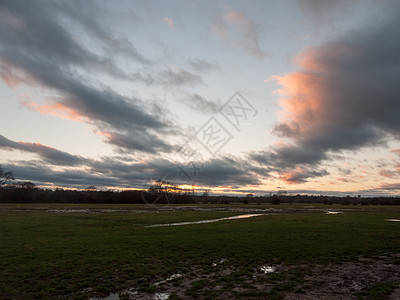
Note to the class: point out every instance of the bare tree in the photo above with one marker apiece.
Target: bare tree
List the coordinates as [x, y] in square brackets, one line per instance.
[206, 193]
[163, 186]
[5, 176]
[27, 185]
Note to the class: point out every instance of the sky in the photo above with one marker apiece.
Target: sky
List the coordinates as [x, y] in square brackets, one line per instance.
[234, 97]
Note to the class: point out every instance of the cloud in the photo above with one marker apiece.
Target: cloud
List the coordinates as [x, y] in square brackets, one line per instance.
[48, 154]
[331, 15]
[300, 175]
[200, 104]
[142, 141]
[37, 50]
[41, 174]
[113, 172]
[235, 27]
[169, 22]
[56, 109]
[316, 7]
[201, 65]
[179, 76]
[344, 97]
[125, 171]
[389, 187]
[396, 151]
[86, 16]
[226, 171]
[222, 171]
[387, 173]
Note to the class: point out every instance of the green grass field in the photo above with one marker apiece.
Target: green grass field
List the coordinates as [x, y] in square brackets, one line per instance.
[81, 255]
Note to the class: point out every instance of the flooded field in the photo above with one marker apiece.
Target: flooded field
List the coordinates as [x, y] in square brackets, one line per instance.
[245, 210]
[199, 252]
[209, 221]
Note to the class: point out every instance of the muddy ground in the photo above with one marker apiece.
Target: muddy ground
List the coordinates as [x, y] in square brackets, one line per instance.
[367, 278]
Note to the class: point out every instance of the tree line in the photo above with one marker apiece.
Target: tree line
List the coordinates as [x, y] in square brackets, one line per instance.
[28, 193]
[161, 192]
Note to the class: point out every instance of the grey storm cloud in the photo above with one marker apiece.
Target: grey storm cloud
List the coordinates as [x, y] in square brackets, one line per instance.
[167, 77]
[47, 53]
[28, 37]
[42, 174]
[284, 157]
[346, 96]
[49, 154]
[317, 7]
[142, 141]
[44, 51]
[122, 172]
[200, 104]
[179, 77]
[226, 171]
[301, 175]
[202, 65]
[389, 187]
[87, 16]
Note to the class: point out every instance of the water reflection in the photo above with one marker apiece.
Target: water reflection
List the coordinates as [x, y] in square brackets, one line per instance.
[209, 221]
[267, 269]
[333, 212]
[170, 278]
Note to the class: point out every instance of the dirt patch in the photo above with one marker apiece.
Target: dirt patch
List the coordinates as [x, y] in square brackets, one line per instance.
[395, 295]
[349, 280]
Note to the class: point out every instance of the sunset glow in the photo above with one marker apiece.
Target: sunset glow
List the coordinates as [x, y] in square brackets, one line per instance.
[230, 97]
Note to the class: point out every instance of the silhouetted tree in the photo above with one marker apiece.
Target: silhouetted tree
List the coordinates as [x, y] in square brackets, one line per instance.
[163, 186]
[27, 185]
[5, 176]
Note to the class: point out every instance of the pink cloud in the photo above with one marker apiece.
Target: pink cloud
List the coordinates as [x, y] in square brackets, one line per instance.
[397, 151]
[169, 22]
[56, 109]
[387, 173]
[11, 77]
[236, 28]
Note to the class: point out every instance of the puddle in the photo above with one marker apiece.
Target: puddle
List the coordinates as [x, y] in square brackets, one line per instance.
[172, 277]
[333, 212]
[161, 296]
[66, 210]
[392, 220]
[132, 293]
[208, 221]
[268, 269]
[218, 262]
